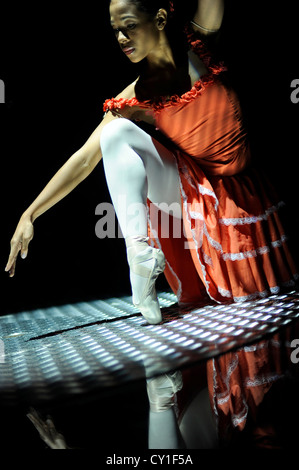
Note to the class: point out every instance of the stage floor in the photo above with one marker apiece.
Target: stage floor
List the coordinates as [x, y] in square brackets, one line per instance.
[69, 351]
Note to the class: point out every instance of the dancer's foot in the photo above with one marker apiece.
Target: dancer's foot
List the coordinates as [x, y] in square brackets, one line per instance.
[146, 263]
[162, 389]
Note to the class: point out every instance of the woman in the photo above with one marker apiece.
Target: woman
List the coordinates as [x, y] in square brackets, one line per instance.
[233, 246]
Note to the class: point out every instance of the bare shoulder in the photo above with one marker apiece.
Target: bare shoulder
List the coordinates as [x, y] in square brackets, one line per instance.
[134, 113]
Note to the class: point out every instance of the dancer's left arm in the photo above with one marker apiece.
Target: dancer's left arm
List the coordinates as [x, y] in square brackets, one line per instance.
[209, 16]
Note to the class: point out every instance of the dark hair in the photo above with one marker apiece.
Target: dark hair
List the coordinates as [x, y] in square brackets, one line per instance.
[182, 10]
[151, 7]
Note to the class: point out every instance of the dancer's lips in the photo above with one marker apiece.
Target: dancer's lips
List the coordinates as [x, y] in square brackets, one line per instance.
[128, 50]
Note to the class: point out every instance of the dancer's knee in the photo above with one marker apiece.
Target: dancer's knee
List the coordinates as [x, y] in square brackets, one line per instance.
[115, 134]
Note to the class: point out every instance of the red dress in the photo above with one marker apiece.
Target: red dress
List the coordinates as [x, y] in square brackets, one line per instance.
[237, 245]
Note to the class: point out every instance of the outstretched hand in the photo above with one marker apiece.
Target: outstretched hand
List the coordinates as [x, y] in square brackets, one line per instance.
[47, 430]
[19, 243]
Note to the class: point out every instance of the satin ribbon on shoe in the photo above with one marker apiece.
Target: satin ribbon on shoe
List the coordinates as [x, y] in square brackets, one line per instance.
[162, 389]
[146, 262]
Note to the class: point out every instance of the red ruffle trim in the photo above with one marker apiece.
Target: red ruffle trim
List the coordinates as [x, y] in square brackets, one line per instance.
[162, 102]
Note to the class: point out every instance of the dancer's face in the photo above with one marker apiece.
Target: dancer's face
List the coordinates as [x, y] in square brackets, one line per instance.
[137, 33]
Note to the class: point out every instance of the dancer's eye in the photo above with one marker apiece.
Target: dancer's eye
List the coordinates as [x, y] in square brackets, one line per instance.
[131, 26]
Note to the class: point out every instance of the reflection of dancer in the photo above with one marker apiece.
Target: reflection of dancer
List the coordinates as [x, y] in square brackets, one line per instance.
[47, 430]
[250, 397]
[238, 244]
[163, 432]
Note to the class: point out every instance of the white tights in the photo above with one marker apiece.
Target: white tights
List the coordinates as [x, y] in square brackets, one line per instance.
[163, 431]
[138, 167]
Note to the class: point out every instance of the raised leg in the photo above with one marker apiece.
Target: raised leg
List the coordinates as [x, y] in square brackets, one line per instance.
[138, 167]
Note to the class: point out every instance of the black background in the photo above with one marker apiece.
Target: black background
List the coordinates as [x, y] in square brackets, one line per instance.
[59, 63]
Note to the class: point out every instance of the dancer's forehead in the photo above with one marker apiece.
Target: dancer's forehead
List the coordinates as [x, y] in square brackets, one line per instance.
[122, 10]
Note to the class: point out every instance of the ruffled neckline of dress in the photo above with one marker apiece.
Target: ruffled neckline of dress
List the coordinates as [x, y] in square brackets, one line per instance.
[199, 86]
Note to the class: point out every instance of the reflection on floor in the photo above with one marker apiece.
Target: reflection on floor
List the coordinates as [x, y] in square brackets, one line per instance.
[87, 364]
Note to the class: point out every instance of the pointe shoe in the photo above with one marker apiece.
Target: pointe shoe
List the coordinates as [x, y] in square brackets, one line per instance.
[162, 389]
[146, 262]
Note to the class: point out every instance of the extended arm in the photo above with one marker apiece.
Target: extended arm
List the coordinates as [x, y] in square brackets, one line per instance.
[75, 170]
[208, 17]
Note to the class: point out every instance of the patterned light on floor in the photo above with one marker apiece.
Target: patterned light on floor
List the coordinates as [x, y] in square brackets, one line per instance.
[68, 350]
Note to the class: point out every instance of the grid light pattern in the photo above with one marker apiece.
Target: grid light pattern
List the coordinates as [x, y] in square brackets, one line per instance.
[68, 350]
